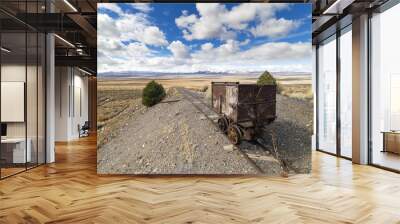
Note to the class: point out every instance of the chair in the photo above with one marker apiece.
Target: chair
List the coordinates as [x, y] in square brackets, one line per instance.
[84, 130]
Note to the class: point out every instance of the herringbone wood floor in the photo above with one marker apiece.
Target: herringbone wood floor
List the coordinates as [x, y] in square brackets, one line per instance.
[69, 191]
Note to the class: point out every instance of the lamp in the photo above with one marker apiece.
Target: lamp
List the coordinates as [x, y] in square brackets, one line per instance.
[64, 40]
[5, 50]
[70, 5]
[86, 72]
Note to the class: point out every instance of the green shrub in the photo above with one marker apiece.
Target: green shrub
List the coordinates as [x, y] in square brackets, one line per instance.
[152, 94]
[266, 79]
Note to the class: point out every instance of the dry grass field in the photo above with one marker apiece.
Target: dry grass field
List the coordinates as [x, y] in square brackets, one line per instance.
[190, 83]
[113, 108]
[292, 86]
[299, 91]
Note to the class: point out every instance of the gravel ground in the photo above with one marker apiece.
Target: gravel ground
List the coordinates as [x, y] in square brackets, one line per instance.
[263, 158]
[175, 138]
[292, 130]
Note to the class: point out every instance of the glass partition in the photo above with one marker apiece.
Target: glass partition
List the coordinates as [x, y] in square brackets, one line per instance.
[385, 89]
[22, 77]
[346, 92]
[13, 94]
[327, 95]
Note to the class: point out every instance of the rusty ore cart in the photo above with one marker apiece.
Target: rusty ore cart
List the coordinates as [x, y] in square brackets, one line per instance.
[243, 108]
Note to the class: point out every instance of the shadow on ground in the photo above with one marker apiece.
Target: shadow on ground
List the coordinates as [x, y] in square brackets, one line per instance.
[292, 143]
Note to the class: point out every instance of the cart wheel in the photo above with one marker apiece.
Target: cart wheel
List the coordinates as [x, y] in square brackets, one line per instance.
[234, 134]
[223, 124]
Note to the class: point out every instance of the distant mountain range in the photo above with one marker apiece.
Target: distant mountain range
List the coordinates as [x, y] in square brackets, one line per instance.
[142, 74]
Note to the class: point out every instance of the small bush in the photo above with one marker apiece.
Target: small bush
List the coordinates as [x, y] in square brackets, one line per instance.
[208, 93]
[266, 79]
[152, 94]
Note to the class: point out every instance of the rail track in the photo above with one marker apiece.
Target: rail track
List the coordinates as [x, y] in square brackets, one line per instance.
[207, 111]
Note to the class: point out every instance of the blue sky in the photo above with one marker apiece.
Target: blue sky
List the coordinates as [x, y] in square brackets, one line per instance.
[204, 37]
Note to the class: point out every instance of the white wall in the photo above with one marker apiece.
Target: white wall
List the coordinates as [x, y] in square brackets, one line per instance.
[13, 101]
[70, 83]
[12, 73]
[62, 81]
[81, 84]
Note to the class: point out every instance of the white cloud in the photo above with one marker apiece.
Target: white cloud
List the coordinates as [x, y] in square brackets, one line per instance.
[185, 20]
[278, 56]
[128, 27]
[178, 49]
[274, 28]
[245, 42]
[216, 21]
[207, 26]
[278, 51]
[228, 48]
[207, 46]
[134, 29]
[106, 27]
[275, 56]
[152, 35]
[110, 6]
[240, 15]
[263, 53]
[143, 7]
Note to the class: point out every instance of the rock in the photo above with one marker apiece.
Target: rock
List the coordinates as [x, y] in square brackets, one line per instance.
[284, 174]
[228, 148]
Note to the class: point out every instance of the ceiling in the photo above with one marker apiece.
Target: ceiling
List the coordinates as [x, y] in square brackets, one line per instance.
[328, 15]
[73, 21]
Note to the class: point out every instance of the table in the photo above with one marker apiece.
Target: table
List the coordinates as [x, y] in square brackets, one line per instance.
[13, 150]
[391, 141]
